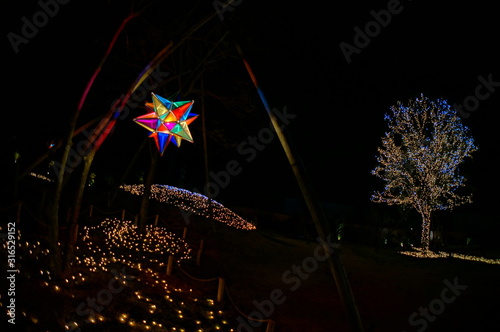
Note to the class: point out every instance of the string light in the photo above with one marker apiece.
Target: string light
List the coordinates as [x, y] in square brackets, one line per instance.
[192, 202]
[41, 177]
[123, 243]
[100, 249]
[422, 253]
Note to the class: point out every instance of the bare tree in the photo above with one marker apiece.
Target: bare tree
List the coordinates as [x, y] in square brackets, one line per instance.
[419, 159]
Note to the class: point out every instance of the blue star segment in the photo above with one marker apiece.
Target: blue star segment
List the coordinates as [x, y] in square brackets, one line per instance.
[168, 121]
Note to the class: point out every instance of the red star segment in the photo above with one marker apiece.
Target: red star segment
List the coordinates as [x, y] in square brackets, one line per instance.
[168, 121]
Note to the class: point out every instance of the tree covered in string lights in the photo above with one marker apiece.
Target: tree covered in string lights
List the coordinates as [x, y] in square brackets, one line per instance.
[419, 159]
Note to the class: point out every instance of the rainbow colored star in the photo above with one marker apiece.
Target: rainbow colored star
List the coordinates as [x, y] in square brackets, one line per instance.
[168, 121]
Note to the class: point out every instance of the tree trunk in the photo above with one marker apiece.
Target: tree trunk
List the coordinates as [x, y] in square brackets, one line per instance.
[426, 229]
[117, 185]
[147, 191]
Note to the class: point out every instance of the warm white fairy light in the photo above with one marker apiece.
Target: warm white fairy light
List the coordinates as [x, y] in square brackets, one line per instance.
[98, 248]
[41, 177]
[419, 159]
[192, 202]
[421, 253]
[123, 242]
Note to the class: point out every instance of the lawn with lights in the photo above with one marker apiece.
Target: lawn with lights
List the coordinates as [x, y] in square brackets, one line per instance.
[117, 281]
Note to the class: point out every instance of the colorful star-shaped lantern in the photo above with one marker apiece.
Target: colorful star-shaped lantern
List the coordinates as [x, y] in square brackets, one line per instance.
[168, 121]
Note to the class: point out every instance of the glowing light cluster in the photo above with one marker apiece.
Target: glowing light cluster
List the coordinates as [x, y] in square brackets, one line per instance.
[419, 159]
[142, 296]
[192, 202]
[40, 176]
[422, 253]
[115, 240]
[163, 307]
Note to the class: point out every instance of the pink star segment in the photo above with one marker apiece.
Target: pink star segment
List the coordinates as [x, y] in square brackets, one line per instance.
[168, 121]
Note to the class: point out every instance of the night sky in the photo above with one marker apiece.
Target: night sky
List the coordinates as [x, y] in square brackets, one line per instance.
[294, 50]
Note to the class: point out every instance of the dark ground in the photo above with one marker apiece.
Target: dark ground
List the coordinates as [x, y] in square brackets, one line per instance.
[388, 287]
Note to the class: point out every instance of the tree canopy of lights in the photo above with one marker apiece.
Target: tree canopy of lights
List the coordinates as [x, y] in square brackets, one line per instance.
[419, 159]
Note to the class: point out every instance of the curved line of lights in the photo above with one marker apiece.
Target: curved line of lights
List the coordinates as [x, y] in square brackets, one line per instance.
[192, 202]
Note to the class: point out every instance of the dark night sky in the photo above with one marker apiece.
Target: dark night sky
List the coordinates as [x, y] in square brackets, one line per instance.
[294, 49]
